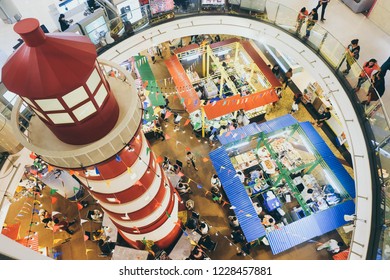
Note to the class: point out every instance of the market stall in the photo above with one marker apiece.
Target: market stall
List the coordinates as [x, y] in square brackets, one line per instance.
[220, 79]
[149, 92]
[293, 176]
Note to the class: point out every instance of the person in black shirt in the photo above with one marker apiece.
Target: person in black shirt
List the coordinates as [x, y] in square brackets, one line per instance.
[276, 70]
[310, 22]
[64, 23]
[323, 117]
[352, 54]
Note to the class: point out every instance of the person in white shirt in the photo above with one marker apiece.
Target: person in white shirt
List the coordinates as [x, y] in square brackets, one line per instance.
[255, 174]
[203, 228]
[233, 221]
[331, 246]
[183, 188]
[215, 181]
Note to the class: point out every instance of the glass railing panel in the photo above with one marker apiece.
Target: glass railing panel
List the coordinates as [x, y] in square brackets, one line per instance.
[139, 18]
[187, 7]
[332, 50]
[315, 36]
[271, 11]
[379, 124]
[286, 18]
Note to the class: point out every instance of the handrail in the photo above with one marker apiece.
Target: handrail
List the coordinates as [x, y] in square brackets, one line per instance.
[283, 18]
[69, 157]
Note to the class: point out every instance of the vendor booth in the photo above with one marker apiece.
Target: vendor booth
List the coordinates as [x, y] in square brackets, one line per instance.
[216, 80]
[301, 188]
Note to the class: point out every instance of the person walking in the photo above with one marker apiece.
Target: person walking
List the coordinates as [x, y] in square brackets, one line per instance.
[176, 121]
[152, 54]
[352, 54]
[323, 4]
[191, 160]
[159, 49]
[311, 21]
[303, 14]
[368, 68]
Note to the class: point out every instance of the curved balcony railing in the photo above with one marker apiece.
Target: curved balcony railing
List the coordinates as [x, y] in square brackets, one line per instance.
[84, 155]
[373, 119]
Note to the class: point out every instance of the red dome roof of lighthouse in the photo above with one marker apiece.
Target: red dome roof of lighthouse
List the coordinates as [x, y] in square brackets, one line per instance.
[48, 65]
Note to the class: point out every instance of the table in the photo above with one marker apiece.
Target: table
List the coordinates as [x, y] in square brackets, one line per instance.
[125, 253]
[110, 229]
[183, 247]
[211, 89]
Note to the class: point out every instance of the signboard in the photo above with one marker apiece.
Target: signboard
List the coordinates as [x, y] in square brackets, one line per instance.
[160, 6]
[213, 2]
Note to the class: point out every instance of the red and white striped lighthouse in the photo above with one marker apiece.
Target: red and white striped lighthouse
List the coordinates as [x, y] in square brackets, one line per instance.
[88, 121]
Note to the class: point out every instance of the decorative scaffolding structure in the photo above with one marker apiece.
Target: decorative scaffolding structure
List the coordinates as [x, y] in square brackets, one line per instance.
[86, 121]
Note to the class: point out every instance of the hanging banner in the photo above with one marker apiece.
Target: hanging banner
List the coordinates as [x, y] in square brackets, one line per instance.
[189, 96]
[234, 103]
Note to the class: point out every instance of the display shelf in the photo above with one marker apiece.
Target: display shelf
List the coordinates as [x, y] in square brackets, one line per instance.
[162, 17]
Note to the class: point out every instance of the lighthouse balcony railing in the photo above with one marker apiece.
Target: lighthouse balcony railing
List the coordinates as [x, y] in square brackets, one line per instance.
[85, 155]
